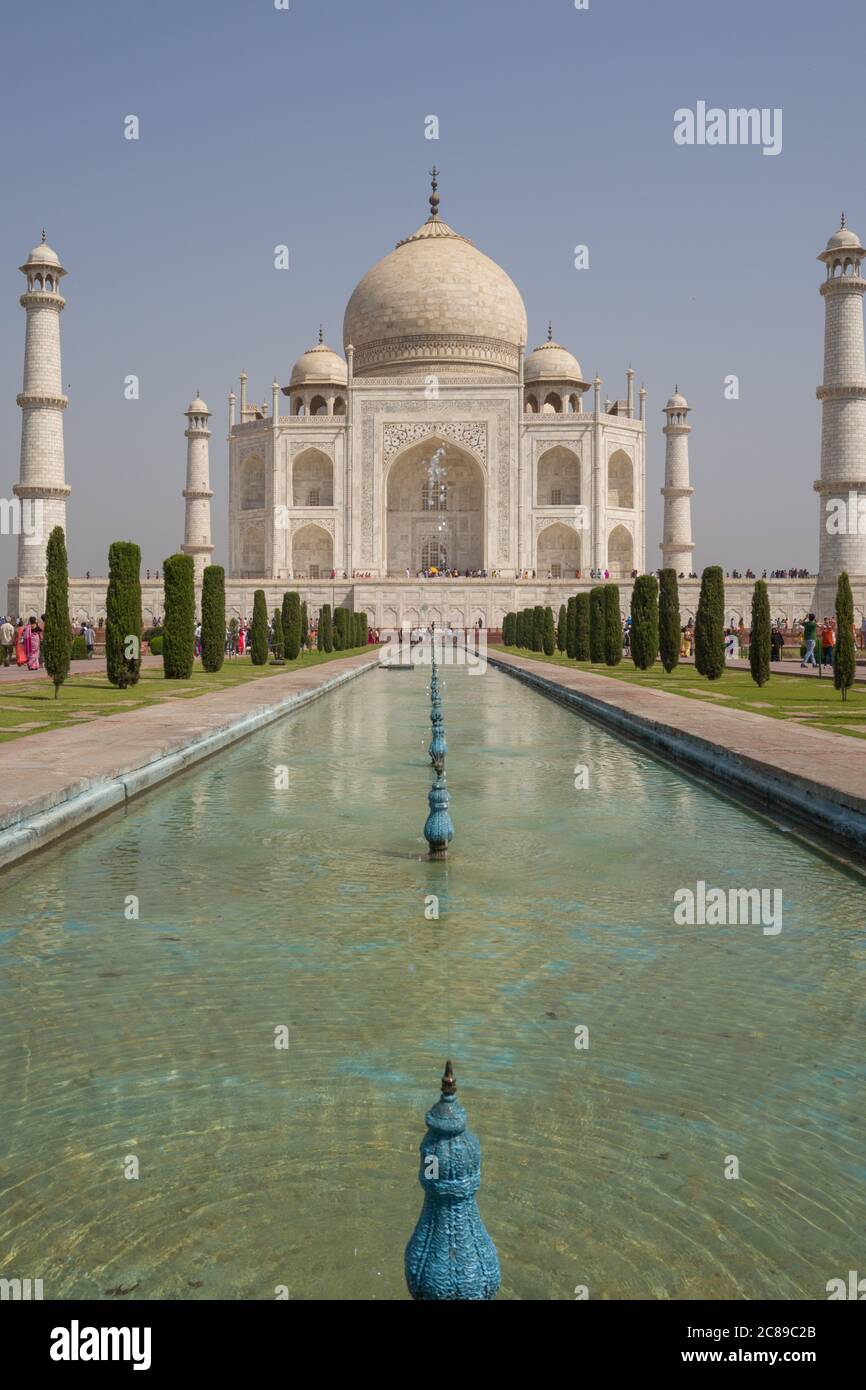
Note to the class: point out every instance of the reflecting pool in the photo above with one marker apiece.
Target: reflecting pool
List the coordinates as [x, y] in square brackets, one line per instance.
[153, 1038]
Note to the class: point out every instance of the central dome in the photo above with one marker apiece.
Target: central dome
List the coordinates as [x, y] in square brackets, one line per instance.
[435, 301]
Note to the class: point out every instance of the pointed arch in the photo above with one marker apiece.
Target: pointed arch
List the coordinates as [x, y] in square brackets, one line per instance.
[312, 479]
[620, 551]
[558, 478]
[312, 552]
[558, 551]
[620, 480]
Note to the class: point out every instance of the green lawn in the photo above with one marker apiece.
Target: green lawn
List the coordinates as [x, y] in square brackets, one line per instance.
[28, 706]
[808, 702]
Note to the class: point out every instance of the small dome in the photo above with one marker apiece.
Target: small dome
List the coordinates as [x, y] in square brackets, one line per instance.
[677, 402]
[843, 239]
[320, 366]
[197, 407]
[43, 255]
[551, 362]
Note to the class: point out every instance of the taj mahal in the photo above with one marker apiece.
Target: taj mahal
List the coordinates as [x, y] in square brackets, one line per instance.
[437, 444]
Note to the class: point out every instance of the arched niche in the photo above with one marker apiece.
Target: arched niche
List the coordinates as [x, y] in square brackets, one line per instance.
[558, 552]
[312, 479]
[558, 480]
[620, 480]
[419, 513]
[312, 552]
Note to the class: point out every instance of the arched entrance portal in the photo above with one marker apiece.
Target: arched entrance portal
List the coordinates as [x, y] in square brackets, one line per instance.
[435, 520]
[558, 552]
[312, 552]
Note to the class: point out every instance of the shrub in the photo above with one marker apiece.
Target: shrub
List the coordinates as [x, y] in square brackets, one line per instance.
[123, 614]
[537, 629]
[570, 628]
[669, 619]
[844, 660]
[508, 634]
[259, 633]
[291, 619]
[364, 628]
[155, 645]
[548, 635]
[612, 626]
[581, 627]
[645, 621]
[562, 628]
[213, 618]
[277, 646]
[326, 629]
[759, 637]
[55, 635]
[710, 624]
[78, 652]
[342, 639]
[597, 622]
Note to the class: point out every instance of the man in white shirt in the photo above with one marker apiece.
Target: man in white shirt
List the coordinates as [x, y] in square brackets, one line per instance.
[7, 641]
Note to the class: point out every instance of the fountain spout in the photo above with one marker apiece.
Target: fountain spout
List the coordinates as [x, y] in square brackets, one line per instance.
[450, 1255]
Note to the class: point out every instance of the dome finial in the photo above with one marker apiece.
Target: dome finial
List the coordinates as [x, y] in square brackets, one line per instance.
[841, 224]
[43, 236]
[550, 330]
[321, 334]
[434, 196]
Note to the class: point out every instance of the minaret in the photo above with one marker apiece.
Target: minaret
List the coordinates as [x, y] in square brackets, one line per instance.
[196, 538]
[676, 546]
[842, 484]
[42, 475]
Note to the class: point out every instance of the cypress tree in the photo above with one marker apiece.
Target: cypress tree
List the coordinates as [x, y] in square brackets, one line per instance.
[509, 634]
[341, 629]
[548, 637]
[518, 628]
[259, 633]
[213, 617]
[562, 628]
[320, 646]
[291, 619]
[710, 624]
[759, 637]
[123, 614]
[844, 657]
[278, 646]
[571, 628]
[178, 648]
[645, 621]
[669, 619]
[597, 622]
[581, 627]
[612, 626]
[365, 628]
[56, 637]
[538, 629]
[326, 628]
[305, 625]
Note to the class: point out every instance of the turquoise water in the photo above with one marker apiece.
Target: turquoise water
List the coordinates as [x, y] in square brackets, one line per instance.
[258, 908]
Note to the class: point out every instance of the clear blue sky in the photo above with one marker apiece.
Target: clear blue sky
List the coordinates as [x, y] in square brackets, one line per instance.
[306, 126]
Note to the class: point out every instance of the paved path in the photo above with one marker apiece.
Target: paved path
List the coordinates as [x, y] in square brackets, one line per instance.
[49, 770]
[782, 668]
[94, 667]
[773, 759]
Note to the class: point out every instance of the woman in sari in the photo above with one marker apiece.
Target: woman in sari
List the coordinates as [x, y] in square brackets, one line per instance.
[20, 644]
[33, 641]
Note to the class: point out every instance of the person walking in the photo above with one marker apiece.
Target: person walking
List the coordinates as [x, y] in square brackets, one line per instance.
[7, 641]
[20, 644]
[88, 638]
[33, 644]
[810, 636]
[777, 643]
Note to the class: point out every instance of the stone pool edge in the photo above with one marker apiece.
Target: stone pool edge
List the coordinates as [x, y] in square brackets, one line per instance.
[827, 811]
[50, 818]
